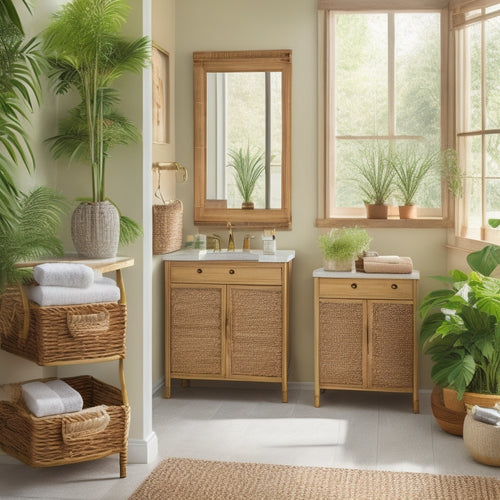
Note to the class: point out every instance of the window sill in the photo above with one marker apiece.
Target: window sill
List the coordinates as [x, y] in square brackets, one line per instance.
[421, 223]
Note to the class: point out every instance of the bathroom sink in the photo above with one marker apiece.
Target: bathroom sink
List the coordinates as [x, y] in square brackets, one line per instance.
[228, 255]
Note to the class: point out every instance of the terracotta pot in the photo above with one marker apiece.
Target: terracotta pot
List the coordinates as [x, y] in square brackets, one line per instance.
[449, 420]
[407, 211]
[338, 265]
[450, 400]
[484, 400]
[376, 211]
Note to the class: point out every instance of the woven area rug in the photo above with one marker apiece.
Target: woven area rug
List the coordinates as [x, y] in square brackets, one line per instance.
[189, 479]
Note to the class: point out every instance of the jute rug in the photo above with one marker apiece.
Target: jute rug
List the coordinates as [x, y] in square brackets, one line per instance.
[189, 479]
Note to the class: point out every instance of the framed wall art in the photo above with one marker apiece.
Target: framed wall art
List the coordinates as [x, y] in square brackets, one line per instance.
[161, 95]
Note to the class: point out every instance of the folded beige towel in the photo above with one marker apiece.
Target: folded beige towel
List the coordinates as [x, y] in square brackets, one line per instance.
[381, 264]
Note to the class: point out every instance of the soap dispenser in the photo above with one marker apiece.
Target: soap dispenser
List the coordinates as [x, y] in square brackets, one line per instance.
[230, 243]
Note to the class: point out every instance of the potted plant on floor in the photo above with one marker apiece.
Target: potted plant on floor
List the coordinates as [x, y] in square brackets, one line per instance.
[340, 247]
[411, 168]
[87, 52]
[248, 167]
[461, 332]
[28, 221]
[375, 179]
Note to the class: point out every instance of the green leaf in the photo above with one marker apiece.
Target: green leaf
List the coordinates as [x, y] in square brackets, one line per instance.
[485, 260]
[454, 372]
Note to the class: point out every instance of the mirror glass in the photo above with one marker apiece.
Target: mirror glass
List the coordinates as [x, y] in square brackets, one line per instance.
[242, 146]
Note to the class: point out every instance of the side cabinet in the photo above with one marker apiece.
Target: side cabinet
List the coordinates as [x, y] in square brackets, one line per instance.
[364, 335]
[226, 321]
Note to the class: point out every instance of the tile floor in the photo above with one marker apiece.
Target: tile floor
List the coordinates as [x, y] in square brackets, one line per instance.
[221, 422]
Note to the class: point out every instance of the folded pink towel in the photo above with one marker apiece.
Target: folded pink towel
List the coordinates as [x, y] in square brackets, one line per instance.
[393, 265]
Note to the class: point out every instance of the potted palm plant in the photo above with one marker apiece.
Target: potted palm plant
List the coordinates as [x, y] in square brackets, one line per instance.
[248, 167]
[340, 247]
[87, 52]
[375, 180]
[411, 168]
[461, 332]
[28, 221]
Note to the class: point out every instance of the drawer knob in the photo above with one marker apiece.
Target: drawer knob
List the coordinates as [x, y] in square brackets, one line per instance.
[394, 286]
[354, 285]
[199, 271]
[231, 271]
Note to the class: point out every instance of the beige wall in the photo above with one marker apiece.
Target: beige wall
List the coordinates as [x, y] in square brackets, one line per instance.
[285, 24]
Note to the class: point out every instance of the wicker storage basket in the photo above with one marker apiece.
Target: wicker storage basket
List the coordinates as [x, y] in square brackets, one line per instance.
[68, 437]
[54, 334]
[167, 227]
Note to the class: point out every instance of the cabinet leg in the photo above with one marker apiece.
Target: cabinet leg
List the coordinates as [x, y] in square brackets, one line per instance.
[284, 395]
[416, 406]
[316, 400]
[123, 464]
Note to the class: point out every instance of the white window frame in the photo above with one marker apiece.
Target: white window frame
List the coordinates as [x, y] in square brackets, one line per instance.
[326, 109]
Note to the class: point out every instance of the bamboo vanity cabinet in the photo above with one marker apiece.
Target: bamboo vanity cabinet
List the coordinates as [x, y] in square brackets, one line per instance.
[364, 332]
[227, 319]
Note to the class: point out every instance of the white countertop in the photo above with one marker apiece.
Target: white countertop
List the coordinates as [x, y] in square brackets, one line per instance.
[321, 273]
[225, 255]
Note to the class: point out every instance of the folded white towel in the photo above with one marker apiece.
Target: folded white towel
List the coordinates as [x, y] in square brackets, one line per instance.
[41, 399]
[103, 291]
[72, 400]
[63, 274]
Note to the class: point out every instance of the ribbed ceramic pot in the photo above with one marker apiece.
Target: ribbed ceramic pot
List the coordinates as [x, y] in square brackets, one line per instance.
[95, 230]
[338, 265]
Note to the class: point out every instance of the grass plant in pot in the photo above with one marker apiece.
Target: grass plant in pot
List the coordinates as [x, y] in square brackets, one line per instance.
[461, 332]
[248, 166]
[29, 222]
[87, 53]
[341, 246]
[411, 167]
[375, 179]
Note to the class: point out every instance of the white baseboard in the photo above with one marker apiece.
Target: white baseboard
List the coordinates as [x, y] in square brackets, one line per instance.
[142, 451]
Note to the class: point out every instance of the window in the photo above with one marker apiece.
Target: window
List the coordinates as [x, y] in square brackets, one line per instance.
[382, 91]
[477, 32]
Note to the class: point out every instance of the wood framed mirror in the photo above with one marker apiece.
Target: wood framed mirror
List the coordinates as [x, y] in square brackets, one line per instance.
[242, 135]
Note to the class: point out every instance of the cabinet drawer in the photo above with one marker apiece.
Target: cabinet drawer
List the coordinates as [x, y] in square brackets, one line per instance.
[365, 288]
[230, 273]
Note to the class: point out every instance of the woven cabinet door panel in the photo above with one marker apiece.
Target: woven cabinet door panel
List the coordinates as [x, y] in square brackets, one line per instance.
[342, 339]
[196, 330]
[391, 331]
[256, 331]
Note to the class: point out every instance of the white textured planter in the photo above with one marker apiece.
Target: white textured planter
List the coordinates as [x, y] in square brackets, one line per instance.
[95, 230]
[338, 265]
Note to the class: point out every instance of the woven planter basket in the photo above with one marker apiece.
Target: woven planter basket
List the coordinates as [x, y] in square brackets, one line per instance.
[54, 334]
[167, 227]
[68, 437]
[95, 230]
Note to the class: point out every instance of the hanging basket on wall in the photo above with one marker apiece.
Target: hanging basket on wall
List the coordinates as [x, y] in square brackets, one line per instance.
[167, 227]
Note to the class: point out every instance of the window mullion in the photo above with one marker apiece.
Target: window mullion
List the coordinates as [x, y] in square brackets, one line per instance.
[483, 127]
[391, 75]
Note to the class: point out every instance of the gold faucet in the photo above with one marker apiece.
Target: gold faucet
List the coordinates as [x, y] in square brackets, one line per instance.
[230, 243]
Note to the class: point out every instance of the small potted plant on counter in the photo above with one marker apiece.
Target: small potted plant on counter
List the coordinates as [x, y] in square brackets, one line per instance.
[340, 247]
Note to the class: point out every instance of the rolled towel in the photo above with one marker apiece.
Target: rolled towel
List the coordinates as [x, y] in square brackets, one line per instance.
[63, 274]
[103, 291]
[486, 415]
[41, 399]
[72, 400]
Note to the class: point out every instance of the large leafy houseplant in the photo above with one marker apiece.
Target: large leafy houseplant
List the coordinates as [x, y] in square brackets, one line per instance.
[87, 53]
[248, 166]
[28, 221]
[461, 327]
